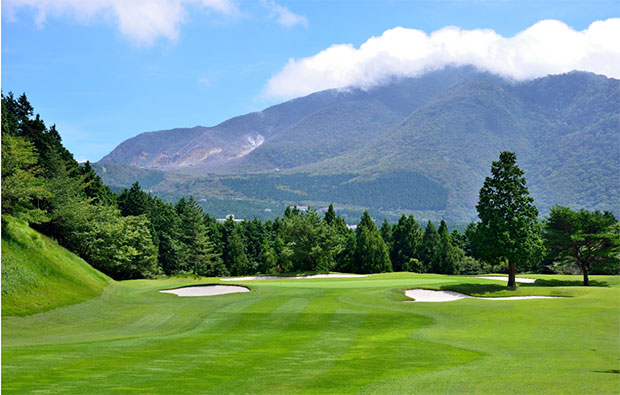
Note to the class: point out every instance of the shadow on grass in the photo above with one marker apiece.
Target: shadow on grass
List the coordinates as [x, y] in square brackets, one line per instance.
[475, 288]
[616, 371]
[564, 283]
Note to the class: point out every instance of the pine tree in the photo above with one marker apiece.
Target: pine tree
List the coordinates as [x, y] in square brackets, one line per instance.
[429, 249]
[509, 230]
[407, 237]
[330, 215]
[371, 252]
[590, 239]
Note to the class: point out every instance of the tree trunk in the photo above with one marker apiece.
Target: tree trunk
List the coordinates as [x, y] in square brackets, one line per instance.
[512, 282]
[586, 280]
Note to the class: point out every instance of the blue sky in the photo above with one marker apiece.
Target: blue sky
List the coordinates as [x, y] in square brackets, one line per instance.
[106, 70]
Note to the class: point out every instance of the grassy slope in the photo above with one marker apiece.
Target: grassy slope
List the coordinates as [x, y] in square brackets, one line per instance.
[38, 274]
[321, 335]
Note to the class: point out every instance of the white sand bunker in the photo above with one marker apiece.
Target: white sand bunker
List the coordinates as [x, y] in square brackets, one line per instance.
[336, 275]
[426, 295]
[206, 290]
[505, 278]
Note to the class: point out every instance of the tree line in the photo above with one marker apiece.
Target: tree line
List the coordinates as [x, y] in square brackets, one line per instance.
[133, 234]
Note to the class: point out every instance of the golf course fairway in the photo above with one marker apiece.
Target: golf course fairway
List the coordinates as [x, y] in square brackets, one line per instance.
[322, 335]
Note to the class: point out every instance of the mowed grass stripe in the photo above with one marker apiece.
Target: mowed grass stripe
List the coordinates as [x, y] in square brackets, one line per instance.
[334, 338]
[76, 364]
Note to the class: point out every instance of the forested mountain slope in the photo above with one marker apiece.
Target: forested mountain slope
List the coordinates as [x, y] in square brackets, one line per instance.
[443, 128]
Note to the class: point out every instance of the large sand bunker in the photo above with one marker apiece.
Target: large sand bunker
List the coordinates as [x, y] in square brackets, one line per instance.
[334, 275]
[427, 295]
[505, 278]
[206, 290]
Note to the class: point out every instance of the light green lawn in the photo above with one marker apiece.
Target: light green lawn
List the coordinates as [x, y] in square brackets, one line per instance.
[345, 335]
[39, 275]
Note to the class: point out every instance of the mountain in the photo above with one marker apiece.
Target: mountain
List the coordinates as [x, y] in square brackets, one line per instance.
[421, 145]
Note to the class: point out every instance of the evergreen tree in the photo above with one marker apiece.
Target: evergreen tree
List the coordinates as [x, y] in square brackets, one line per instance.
[509, 229]
[95, 188]
[386, 235]
[407, 237]
[430, 249]
[238, 261]
[133, 201]
[196, 253]
[267, 259]
[449, 255]
[590, 239]
[164, 220]
[330, 215]
[371, 252]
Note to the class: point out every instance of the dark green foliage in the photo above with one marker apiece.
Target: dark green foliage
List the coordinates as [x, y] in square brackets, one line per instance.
[330, 215]
[509, 229]
[406, 242]
[310, 244]
[469, 266]
[371, 252]
[590, 239]
[197, 253]
[449, 255]
[236, 258]
[95, 188]
[430, 249]
[422, 192]
[133, 201]
[267, 259]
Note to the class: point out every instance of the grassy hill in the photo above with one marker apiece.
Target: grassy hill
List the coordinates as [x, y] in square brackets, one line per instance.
[39, 275]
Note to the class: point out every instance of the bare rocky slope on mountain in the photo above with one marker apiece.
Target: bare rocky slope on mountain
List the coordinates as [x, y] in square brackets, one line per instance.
[412, 145]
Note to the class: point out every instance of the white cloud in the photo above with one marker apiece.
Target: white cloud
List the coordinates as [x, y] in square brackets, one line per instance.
[141, 21]
[283, 15]
[548, 47]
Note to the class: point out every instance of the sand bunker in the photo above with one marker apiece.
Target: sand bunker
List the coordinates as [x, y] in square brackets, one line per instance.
[335, 275]
[427, 295]
[206, 290]
[505, 278]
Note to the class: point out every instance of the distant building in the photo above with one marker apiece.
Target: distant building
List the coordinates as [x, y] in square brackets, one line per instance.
[222, 220]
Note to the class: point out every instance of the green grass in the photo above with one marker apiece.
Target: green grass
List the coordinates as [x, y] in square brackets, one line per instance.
[339, 335]
[38, 274]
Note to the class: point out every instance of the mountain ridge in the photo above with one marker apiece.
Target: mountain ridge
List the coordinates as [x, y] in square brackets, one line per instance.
[446, 126]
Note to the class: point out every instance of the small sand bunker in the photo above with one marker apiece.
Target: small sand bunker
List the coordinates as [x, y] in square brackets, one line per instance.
[505, 278]
[334, 275]
[427, 295]
[206, 290]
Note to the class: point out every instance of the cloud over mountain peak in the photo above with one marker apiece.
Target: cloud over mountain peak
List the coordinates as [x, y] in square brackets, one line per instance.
[547, 47]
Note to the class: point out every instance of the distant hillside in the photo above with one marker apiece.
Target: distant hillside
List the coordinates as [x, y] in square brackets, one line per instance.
[442, 129]
[39, 275]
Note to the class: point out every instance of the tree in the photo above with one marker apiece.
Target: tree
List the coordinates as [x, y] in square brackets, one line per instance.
[22, 183]
[238, 261]
[509, 229]
[371, 252]
[589, 239]
[197, 252]
[133, 201]
[310, 243]
[429, 249]
[406, 240]
[449, 255]
[330, 215]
